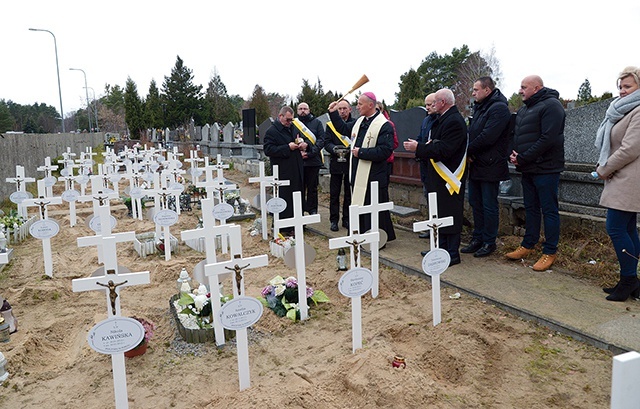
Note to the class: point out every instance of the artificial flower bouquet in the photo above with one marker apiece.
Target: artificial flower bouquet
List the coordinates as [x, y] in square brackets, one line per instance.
[281, 296]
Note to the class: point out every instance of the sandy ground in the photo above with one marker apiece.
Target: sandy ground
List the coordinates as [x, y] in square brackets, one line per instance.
[478, 357]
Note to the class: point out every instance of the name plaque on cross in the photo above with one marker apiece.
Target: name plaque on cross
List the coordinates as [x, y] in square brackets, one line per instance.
[241, 312]
[115, 335]
[356, 282]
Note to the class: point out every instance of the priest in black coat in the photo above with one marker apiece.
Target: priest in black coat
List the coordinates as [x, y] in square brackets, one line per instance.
[371, 146]
[445, 156]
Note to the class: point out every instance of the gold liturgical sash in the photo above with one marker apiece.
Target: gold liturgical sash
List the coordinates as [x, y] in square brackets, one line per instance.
[452, 178]
[364, 166]
[307, 132]
[345, 141]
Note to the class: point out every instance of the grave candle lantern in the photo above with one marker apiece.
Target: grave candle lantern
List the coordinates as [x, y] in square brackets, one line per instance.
[184, 282]
[341, 258]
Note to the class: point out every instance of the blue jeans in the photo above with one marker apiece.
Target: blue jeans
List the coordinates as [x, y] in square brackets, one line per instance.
[483, 198]
[621, 227]
[540, 192]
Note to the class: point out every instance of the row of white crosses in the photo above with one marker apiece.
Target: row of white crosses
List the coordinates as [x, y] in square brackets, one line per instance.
[111, 282]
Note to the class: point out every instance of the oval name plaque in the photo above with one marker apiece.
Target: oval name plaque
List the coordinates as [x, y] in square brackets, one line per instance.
[435, 262]
[355, 282]
[115, 335]
[96, 225]
[44, 229]
[276, 205]
[166, 217]
[222, 211]
[70, 195]
[241, 312]
[18, 197]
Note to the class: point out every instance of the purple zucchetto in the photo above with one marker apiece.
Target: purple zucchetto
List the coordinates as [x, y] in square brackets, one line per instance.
[371, 96]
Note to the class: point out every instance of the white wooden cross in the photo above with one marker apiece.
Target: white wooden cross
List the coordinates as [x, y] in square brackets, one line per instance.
[354, 241]
[135, 189]
[111, 283]
[98, 198]
[218, 167]
[21, 190]
[70, 194]
[42, 202]
[104, 217]
[275, 184]
[625, 393]
[86, 169]
[193, 161]
[374, 209]
[161, 202]
[208, 232]
[264, 180]
[298, 221]
[48, 178]
[171, 178]
[436, 266]
[210, 182]
[235, 268]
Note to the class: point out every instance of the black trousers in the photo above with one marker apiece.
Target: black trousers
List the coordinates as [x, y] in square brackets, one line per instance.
[336, 184]
[310, 193]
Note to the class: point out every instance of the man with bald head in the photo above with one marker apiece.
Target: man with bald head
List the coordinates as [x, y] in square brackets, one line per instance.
[445, 154]
[425, 129]
[538, 152]
[371, 144]
[338, 146]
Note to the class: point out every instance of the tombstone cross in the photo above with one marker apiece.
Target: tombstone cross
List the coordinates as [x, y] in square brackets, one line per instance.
[374, 209]
[111, 283]
[47, 226]
[298, 221]
[433, 224]
[21, 190]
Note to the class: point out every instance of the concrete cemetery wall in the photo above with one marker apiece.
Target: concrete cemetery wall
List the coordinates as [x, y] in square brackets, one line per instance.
[29, 150]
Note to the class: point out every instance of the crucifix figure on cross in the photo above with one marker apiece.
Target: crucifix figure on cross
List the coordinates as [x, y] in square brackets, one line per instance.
[238, 270]
[113, 295]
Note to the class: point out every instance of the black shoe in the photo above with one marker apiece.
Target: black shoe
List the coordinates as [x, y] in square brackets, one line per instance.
[628, 286]
[334, 226]
[345, 224]
[313, 212]
[454, 261]
[485, 250]
[610, 290]
[423, 253]
[474, 245]
[424, 235]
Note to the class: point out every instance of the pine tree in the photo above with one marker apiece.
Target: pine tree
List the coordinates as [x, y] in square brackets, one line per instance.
[218, 105]
[6, 120]
[260, 103]
[182, 96]
[153, 117]
[584, 93]
[134, 115]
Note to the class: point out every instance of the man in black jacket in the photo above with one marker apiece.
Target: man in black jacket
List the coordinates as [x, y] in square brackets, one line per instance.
[487, 159]
[310, 129]
[445, 155]
[338, 146]
[282, 148]
[538, 153]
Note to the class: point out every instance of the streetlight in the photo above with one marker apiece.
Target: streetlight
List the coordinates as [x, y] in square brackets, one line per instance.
[95, 108]
[55, 44]
[86, 90]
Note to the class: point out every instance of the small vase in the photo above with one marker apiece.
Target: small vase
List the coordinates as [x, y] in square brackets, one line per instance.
[139, 350]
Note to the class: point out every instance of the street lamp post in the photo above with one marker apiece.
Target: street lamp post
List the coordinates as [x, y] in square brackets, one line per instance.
[86, 90]
[95, 108]
[55, 44]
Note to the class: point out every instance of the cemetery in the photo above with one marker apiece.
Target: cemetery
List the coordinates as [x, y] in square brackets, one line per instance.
[191, 271]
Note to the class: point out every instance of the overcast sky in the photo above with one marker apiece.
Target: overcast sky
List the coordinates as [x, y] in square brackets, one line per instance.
[278, 44]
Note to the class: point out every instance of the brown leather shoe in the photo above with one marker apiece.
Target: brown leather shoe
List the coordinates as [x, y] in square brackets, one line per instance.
[519, 253]
[545, 262]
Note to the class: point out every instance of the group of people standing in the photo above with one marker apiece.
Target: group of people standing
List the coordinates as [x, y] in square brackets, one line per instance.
[361, 152]
[453, 153]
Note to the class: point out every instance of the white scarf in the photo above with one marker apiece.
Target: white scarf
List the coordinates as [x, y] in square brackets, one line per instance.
[618, 108]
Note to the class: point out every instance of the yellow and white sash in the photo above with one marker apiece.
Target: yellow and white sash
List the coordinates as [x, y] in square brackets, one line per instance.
[345, 141]
[364, 166]
[452, 178]
[305, 131]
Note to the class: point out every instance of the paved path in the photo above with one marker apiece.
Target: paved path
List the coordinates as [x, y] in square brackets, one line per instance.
[556, 300]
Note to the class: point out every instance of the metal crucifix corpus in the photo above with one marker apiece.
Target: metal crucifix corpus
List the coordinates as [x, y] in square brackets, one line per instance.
[238, 270]
[113, 295]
